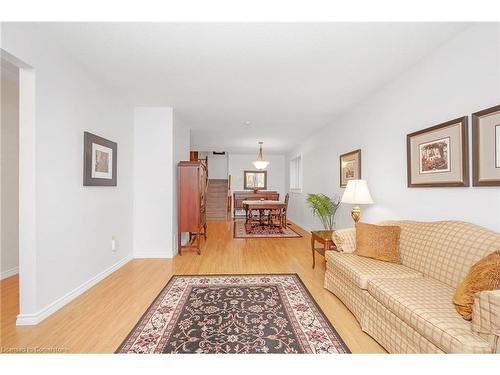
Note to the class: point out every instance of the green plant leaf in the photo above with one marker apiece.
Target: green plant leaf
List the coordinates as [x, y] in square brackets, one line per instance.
[324, 208]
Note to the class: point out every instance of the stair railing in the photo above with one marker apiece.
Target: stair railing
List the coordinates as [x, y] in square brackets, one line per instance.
[204, 164]
[228, 205]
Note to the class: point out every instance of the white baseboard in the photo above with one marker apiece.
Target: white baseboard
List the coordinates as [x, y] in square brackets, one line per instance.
[32, 319]
[151, 254]
[8, 273]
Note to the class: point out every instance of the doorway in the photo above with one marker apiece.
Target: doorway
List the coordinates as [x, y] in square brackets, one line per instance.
[18, 222]
[9, 171]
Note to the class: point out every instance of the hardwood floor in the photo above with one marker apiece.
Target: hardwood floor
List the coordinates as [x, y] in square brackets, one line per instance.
[98, 320]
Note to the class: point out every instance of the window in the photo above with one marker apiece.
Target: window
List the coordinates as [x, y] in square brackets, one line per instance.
[296, 174]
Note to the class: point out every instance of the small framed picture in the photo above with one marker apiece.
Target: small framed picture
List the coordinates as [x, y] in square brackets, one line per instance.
[99, 161]
[486, 147]
[437, 156]
[350, 167]
[255, 180]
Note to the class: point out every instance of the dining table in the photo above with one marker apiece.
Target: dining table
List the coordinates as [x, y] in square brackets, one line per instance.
[263, 205]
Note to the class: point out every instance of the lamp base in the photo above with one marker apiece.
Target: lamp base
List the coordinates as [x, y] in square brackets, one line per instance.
[356, 213]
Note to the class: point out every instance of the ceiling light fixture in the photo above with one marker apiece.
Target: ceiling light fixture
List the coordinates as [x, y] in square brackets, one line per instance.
[260, 163]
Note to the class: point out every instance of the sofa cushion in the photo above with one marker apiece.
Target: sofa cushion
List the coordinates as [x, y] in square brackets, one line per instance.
[426, 305]
[378, 242]
[444, 250]
[360, 270]
[483, 275]
[345, 240]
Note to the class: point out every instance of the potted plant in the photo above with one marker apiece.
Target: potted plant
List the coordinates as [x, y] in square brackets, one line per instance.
[324, 208]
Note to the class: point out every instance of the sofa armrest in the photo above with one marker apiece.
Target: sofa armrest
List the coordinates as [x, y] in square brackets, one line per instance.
[345, 240]
[486, 317]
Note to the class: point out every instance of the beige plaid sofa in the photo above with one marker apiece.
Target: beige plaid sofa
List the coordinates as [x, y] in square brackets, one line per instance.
[408, 307]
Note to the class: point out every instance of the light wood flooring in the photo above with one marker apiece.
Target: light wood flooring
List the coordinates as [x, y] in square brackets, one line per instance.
[98, 320]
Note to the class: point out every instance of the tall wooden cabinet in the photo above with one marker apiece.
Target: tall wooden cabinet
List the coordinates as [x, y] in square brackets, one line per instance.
[192, 180]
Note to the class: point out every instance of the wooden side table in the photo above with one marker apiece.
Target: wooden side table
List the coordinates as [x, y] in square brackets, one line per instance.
[325, 238]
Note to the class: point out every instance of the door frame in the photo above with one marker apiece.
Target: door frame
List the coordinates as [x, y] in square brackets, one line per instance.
[27, 192]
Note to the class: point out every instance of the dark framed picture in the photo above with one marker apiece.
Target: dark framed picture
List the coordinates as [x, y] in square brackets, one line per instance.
[350, 167]
[99, 161]
[486, 147]
[438, 156]
[255, 180]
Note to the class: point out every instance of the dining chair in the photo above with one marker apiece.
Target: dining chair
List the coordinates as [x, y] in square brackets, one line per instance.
[279, 214]
[284, 211]
[269, 214]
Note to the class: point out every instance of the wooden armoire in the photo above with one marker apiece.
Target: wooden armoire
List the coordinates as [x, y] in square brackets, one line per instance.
[192, 181]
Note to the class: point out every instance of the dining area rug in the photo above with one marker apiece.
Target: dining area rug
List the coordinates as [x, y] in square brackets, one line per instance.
[256, 230]
[222, 314]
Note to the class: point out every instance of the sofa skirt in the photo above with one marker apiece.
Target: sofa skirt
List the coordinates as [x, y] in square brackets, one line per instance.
[376, 320]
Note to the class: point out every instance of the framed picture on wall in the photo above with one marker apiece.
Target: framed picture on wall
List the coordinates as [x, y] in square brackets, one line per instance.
[350, 167]
[255, 180]
[99, 161]
[486, 147]
[437, 156]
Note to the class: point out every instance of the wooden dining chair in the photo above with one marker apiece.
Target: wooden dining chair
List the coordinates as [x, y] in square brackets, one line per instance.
[284, 211]
[280, 214]
[255, 216]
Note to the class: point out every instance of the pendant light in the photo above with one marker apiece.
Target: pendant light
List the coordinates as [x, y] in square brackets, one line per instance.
[260, 163]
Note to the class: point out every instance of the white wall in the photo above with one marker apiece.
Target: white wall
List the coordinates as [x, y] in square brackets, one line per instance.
[153, 176]
[458, 79]
[74, 223]
[9, 246]
[217, 165]
[238, 163]
[161, 140]
[181, 142]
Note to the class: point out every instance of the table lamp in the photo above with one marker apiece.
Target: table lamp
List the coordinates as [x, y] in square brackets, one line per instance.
[357, 193]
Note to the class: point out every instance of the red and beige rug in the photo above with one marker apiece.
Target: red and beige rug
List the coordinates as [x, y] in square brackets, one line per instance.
[234, 314]
[248, 230]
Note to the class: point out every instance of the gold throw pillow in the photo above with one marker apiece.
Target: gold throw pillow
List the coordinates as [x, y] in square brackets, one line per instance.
[378, 241]
[483, 275]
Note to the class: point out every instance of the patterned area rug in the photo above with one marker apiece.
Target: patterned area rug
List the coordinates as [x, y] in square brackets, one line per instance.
[243, 230]
[234, 314]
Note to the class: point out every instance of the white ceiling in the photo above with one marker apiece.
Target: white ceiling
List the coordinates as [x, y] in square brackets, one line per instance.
[288, 80]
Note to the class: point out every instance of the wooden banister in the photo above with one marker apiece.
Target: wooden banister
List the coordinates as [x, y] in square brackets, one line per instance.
[228, 193]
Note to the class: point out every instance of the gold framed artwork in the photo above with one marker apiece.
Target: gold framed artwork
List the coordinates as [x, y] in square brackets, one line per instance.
[486, 147]
[437, 156]
[350, 167]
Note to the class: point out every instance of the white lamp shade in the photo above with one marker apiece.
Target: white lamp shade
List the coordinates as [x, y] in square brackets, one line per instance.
[260, 164]
[357, 192]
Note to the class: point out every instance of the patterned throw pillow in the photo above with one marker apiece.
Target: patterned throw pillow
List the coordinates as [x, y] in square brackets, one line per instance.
[483, 275]
[378, 241]
[345, 240]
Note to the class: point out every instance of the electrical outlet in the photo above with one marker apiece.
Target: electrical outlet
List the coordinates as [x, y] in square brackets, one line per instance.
[114, 246]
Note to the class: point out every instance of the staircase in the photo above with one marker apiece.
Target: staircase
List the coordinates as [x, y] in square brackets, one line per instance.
[217, 199]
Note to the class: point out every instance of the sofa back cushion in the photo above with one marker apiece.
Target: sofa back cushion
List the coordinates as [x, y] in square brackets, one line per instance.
[378, 242]
[444, 250]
